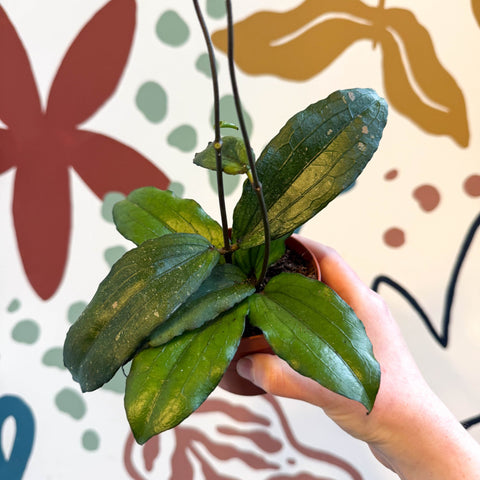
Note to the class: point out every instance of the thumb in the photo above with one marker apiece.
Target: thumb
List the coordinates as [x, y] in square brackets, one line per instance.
[275, 376]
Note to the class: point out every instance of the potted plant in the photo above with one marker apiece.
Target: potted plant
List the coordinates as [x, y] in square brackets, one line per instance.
[178, 304]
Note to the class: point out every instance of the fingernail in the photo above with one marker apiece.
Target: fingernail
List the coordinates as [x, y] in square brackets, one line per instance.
[245, 368]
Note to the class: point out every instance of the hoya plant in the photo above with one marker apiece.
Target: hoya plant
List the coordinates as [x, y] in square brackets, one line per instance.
[177, 304]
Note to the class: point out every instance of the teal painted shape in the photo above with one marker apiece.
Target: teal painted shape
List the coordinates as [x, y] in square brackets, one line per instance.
[26, 331]
[203, 65]
[216, 8]
[109, 200]
[172, 29]
[75, 310]
[54, 358]
[13, 467]
[14, 305]
[228, 114]
[151, 100]
[113, 254]
[71, 403]
[230, 182]
[177, 188]
[90, 440]
[183, 137]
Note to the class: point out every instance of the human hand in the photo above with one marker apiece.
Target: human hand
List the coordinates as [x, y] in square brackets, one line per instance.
[409, 429]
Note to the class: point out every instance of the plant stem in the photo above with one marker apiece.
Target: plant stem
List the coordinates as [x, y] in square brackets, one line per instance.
[257, 186]
[218, 138]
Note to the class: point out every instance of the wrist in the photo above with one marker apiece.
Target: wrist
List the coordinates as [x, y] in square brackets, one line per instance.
[431, 445]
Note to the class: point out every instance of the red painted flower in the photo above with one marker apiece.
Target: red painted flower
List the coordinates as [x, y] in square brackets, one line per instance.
[43, 144]
[266, 447]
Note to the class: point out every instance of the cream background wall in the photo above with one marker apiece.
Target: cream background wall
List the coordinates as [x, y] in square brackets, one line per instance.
[60, 433]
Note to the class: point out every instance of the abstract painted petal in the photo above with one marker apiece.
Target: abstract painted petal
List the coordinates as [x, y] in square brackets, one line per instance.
[313, 453]
[107, 165]
[41, 212]
[298, 44]
[296, 58]
[476, 10]
[19, 100]
[181, 466]
[7, 154]
[93, 64]
[442, 110]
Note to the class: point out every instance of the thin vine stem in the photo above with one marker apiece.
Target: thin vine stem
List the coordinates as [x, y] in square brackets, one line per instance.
[257, 186]
[218, 138]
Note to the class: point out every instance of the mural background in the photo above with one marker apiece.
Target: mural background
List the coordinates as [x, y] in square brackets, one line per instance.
[129, 104]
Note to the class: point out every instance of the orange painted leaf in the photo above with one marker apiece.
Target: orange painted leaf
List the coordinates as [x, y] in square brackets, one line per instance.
[294, 57]
[298, 44]
[476, 10]
[435, 102]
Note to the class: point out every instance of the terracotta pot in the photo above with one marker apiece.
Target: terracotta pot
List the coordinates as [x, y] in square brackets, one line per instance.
[231, 381]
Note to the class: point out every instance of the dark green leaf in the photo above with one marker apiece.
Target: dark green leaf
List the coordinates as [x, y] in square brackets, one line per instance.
[141, 291]
[315, 156]
[318, 334]
[234, 156]
[251, 260]
[149, 213]
[224, 288]
[167, 383]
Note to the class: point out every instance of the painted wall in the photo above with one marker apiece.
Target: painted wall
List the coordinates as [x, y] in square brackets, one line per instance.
[97, 98]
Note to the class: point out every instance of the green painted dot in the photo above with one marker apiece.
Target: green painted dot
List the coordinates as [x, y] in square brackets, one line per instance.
[26, 331]
[177, 188]
[71, 403]
[117, 383]
[75, 310]
[14, 305]
[203, 65]
[151, 100]
[109, 200]
[113, 254]
[228, 113]
[216, 8]
[53, 358]
[90, 440]
[230, 182]
[172, 29]
[183, 137]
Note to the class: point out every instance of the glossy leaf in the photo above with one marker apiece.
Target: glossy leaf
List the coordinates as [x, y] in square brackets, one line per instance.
[224, 288]
[234, 156]
[141, 291]
[167, 383]
[318, 334]
[250, 260]
[315, 156]
[149, 212]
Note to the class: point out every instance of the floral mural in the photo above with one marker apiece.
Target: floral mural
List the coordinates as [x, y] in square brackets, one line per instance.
[98, 98]
[43, 144]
